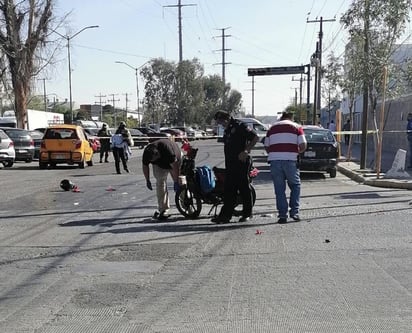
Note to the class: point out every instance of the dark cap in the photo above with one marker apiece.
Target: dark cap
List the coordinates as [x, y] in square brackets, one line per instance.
[287, 115]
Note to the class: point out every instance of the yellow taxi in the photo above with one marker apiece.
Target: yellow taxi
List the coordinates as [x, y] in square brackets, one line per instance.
[65, 144]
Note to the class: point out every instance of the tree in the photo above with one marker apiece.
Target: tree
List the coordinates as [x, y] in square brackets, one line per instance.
[23, 34]
[332, 82]
[374, 27]
[179, 94]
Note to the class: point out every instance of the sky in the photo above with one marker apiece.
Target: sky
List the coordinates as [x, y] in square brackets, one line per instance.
[263, 33]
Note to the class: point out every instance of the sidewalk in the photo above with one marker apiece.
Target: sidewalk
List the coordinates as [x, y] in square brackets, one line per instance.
[367, 176]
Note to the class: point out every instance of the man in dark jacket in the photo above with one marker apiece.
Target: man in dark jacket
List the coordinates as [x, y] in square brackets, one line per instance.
[165, 157]
[238, 140]
[104, 135]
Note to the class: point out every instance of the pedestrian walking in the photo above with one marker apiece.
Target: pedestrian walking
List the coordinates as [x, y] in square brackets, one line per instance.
[121, 143]
[284, 141]
[238, 139]
[409, 137]
[346, 128]
[165, 157]
[332, 126]
[104, 135]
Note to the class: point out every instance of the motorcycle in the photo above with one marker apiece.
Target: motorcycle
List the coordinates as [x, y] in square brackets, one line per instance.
[190, 197]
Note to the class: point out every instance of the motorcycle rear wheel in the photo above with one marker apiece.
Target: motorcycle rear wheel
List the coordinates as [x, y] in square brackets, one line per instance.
[187, 203]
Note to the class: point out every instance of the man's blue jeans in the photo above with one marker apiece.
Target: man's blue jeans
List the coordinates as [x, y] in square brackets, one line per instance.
[286, 172]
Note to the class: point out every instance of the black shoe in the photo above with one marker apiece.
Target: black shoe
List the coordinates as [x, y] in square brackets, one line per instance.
[118, 172]
[101, 161]
[106, 161]
[220, 220]
[127, 170]
[245, 218]
[295, 217]
[282, 220]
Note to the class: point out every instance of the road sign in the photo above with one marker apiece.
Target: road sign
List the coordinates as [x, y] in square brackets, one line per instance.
[275, 70]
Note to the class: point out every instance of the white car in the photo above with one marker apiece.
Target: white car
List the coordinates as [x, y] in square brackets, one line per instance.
[7, 152]
[260, 128]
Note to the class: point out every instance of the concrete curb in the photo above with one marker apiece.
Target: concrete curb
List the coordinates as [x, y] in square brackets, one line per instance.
[352, 171]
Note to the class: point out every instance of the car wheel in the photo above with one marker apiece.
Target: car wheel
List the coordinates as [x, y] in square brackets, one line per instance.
[42, 165]
[29, 160]
[332, 173]
[90, 163]
[81, 165]
[8, 164]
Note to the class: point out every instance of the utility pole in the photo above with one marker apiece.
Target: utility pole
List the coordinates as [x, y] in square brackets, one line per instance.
[179, 6]
[114, 108]
[127, 101]
[318, 82]
[224, 49]
[308, 95]
[253, 96]
[301, 80]
[44, 94]
[100, 96]
[315, 57]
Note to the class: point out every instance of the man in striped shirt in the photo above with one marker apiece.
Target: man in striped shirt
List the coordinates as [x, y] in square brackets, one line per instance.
[283, 143]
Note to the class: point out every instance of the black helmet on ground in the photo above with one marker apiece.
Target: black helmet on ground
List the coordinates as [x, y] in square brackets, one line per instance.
[66, 185]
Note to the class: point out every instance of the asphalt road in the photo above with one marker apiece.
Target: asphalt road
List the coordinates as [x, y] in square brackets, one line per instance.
[95, 261]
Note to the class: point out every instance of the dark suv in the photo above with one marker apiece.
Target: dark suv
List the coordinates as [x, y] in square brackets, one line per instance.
[322, 153]
[23, 143]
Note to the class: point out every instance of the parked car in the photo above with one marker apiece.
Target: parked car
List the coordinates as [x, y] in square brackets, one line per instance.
[94, 140]
[23, 143]
[7, 152]
[177, 134]
[191, 133]
[322, 152]
[259, 127]
[152, 134]
[65, 144]
[140, 140]
[37, 137]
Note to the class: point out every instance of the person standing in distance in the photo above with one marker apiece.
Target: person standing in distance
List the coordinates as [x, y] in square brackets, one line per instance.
[121, 142]
[104, 136]
[165, 157]
[283, 143]
[238, 140]
[346, 128]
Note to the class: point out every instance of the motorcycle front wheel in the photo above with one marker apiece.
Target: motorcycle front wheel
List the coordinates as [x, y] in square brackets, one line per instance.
[187, 203]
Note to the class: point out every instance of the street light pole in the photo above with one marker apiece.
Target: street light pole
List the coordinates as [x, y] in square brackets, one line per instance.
[68, 38]
[136, 69]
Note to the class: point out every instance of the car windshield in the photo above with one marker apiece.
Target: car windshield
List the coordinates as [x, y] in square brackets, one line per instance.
[313, 135]
[13, 134]
[92, 131]
[36, 134]
[61, 133]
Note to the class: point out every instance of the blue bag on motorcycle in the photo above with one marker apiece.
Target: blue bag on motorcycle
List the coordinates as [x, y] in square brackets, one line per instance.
[206, 178]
